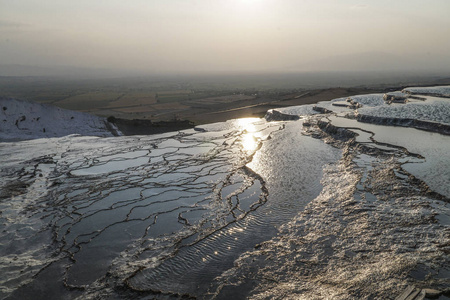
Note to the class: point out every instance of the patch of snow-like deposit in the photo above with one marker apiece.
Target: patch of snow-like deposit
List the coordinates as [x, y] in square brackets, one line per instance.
[24, 120]
[432, 90]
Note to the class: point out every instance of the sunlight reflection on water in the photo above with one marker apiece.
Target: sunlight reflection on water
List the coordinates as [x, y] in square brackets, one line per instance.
[250, 139]
[249, 142]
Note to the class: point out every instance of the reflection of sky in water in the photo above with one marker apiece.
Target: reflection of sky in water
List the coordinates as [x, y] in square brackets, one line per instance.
[208, 196]
[434, 169]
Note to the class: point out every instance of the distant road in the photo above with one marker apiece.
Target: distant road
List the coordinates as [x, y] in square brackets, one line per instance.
[255, 105]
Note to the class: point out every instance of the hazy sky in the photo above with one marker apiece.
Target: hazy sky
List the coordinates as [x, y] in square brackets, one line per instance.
[216, 35]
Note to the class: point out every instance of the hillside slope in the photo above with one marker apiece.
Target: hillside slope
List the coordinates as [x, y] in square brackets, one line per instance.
[24, 120]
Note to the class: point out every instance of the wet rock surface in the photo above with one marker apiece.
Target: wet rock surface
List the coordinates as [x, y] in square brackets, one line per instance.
[322, 206]
[373, 230]
[275, 115]
[160, 215]
[413, 123]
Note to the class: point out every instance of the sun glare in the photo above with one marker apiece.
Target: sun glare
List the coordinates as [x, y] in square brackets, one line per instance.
[251, 7]
[249, 139]
[249, 142]
[247, 124]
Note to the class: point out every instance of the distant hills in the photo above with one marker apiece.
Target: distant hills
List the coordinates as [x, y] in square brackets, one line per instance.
[60, 71]
[356, 62]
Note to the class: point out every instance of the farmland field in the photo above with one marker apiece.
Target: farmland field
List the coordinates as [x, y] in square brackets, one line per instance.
[197, 99]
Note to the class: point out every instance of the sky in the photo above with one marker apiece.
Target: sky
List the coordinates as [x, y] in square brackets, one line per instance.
[226, 35]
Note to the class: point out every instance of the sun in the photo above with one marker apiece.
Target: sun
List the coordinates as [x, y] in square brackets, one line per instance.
[249, 3]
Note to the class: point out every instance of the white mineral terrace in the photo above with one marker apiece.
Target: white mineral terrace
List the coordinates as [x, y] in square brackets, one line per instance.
[347, 202]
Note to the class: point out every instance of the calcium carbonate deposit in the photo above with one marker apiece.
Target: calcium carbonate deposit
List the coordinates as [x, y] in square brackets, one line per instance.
[346, 199]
